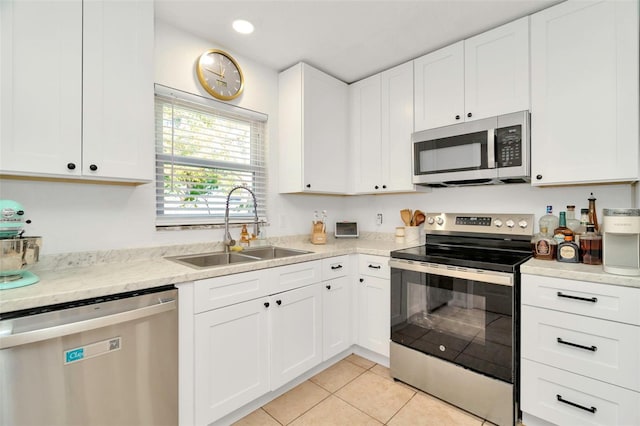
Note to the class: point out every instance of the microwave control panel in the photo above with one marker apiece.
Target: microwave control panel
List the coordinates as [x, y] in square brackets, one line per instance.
[509, 146]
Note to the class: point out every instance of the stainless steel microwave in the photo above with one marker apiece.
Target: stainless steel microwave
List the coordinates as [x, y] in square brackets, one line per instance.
[481, 152]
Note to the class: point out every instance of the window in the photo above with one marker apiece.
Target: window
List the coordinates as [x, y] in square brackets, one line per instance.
[205, 148]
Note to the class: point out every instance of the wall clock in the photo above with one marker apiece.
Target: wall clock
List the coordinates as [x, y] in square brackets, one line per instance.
[220, 75]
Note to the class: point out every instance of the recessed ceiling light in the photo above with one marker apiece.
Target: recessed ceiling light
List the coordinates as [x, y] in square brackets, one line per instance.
[242, 26]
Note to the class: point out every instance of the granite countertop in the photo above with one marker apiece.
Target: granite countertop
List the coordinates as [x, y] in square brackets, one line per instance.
[77, 276]
[577, 271]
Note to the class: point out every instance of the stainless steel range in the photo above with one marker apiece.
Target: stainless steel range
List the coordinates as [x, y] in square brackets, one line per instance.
[454, 315]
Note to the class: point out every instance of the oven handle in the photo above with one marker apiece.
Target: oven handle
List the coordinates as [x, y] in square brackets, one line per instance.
[493, 277]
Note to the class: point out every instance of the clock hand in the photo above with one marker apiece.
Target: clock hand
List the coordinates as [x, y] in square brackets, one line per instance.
[210, 70]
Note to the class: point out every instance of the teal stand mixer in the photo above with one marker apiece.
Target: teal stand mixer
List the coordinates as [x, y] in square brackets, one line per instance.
[17, 252]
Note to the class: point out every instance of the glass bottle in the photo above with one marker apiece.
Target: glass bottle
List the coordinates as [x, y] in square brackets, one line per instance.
[244, 237]
[549, 220]
[568, 251]
[543, 246]
[572, 222]
[593, 216]
[584, 220]
[591, 247]
[562, 231]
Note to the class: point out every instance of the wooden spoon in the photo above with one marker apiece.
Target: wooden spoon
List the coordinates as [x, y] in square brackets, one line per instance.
[405, 214]
[419, 218]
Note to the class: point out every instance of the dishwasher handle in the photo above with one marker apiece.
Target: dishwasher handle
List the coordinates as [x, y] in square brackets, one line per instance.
[86, 325]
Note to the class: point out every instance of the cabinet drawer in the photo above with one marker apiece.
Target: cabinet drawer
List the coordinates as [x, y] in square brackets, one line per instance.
[603, 350]
[564, 398]
[293, 276]
[213, 293]
[616, 303]
[335, 267]
[374, 266]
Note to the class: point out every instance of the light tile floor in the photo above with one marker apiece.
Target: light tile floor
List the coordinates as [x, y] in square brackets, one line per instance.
[356, 391]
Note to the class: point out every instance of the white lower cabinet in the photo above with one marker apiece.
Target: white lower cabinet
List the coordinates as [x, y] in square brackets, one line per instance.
[296, 333]
[336, 306]
[231, 358]
[373, 304]
[580, 361]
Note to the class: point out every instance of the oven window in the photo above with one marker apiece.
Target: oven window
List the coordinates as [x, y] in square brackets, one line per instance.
[463, 321]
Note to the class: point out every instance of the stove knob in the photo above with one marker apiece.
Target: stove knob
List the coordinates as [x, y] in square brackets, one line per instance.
[439, 220]
[430, 220]
[497, 223]
[523, 224]
[510, 223]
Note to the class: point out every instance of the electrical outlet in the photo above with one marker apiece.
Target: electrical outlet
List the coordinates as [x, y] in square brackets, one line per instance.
[379, 219]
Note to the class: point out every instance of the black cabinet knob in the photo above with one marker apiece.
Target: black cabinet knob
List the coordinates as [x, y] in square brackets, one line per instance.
[308, 185]
[93, 167]
[279, 302]
[376, 187]
[266, 304]
[457, 117]
[71, 166]
[328, 287]
[469, 115]
[361, 280]
[384, 186]
[539, 177]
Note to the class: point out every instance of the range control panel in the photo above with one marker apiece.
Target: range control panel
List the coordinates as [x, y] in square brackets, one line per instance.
[482, 223]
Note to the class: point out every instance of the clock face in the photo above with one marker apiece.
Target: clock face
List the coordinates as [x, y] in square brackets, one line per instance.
[220, 75]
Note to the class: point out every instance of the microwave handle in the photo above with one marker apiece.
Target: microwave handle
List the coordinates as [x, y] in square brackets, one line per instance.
[491, 148]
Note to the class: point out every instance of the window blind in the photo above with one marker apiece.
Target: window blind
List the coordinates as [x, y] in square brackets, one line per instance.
[204, 149]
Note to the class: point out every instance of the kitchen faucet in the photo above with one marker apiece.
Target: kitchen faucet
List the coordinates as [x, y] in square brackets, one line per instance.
[228, 240]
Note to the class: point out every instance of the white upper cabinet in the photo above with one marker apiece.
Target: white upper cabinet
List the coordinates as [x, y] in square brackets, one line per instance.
[584, 85]
[40, 87]
[381, 123]
[77, 90]
[480, 77]
[312, 140]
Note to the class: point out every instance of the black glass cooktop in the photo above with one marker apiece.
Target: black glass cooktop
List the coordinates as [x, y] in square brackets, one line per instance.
[493, 255]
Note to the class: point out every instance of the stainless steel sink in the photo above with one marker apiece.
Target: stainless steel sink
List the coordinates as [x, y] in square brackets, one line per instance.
[211, 260]
[272, 252]
[217, 259]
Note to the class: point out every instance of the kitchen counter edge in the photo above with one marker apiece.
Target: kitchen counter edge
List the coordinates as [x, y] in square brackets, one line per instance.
[85, 282]
[578, 272]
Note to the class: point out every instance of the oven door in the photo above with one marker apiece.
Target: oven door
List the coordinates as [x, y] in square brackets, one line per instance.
[459, 315]
[458, 153]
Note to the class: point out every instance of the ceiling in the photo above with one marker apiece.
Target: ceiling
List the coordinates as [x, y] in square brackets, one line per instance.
[349, 39]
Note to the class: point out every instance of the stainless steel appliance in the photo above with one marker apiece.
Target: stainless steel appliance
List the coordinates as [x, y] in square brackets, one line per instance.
[17, 252]
[487, 151]
[454, 311]
[621, 241]
[106, 361]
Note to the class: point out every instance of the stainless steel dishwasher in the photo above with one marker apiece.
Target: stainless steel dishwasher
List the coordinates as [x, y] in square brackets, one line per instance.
[105, 361]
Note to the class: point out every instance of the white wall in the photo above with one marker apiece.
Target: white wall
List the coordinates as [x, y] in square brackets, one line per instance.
[75, 217]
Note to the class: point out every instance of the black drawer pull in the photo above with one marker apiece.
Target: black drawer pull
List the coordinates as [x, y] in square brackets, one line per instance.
[573, 404]
[584, 299]
[575, 345]
[375, 266]
[336, 267]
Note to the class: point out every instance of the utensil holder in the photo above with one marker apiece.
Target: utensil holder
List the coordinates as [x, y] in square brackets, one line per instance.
[318, 234]
[413, 235]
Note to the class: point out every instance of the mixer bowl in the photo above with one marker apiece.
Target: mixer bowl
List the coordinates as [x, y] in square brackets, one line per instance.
[18, 254]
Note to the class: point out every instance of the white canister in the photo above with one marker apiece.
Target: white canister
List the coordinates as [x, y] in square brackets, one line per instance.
[413, 234]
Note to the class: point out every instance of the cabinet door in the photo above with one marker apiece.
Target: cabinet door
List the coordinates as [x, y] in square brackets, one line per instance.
[40, 87]
[336, 324]
[374, 314]
[497, 71]
[397, 126]
[364, 123]
[118, 129]
[296, 333]
[325, 133]
[439, 87]
[231, 358]
[584, 93]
